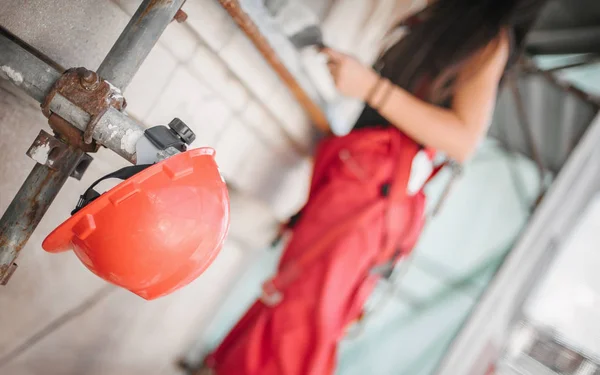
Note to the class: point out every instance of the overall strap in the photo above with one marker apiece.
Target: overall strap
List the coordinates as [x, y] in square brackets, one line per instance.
[273, 288]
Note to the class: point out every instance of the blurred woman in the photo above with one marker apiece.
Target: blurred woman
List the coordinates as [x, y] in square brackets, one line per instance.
[434, 90]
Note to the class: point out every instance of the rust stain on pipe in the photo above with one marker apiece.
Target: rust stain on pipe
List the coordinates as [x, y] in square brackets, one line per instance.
[158, 3]
[248, 26]
[153, 4]
[7, 271]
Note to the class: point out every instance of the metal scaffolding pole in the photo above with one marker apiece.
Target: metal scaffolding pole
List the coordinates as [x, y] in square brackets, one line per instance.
[24, 69]
[136, 41]
[114, 130]
[57, 159]
[29, 206]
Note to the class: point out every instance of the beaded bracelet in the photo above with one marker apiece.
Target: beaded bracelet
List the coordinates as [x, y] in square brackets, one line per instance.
[383, 99]
[373, 90]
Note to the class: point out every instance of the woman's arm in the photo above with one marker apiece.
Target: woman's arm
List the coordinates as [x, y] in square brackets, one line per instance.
[455, 131]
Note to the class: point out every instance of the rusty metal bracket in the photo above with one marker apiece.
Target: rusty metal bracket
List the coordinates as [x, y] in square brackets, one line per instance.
[181, 16]
[51, 152]
[82, 166]
[83, 109]
[70, 134]
[47, 150]
[88, 91]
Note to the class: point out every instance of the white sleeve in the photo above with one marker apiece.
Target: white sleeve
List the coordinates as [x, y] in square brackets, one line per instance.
[417, 5]
[404, 9]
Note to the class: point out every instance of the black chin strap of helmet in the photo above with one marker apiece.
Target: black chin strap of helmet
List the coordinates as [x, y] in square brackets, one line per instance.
[178, 136]
[90, 194]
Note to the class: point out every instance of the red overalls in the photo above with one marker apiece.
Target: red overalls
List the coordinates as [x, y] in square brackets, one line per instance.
[358, 216]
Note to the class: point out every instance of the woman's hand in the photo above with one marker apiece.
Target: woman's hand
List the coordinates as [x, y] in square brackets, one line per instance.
[350, 76]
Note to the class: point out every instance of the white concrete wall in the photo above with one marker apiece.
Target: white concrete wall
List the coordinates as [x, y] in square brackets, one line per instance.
[121, 333]
[205, 72]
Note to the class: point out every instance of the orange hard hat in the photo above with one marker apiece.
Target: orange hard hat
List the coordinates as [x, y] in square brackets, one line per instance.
[156, 231]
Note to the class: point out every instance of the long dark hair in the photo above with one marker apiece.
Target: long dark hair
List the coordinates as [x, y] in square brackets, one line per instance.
[448, 34]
